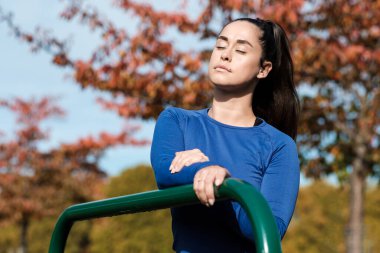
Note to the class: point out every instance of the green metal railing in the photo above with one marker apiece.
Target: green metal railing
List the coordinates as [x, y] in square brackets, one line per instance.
[266, 235]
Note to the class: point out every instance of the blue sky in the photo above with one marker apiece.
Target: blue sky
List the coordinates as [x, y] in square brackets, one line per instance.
[26, 74]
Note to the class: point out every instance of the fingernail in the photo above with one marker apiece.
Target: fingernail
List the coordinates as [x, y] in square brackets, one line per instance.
[217, 182]
[170, 168]
[211, 201]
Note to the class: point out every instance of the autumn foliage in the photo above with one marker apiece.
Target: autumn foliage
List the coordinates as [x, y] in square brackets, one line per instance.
[336, 51]
[36, 183]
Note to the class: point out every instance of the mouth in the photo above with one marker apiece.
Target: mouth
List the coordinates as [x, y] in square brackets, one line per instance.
[222, 68]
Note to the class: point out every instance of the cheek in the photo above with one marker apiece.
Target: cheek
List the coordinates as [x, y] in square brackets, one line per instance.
[212, 61]
[248, 69]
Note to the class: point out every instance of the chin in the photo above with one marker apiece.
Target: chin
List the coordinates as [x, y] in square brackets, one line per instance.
[246, 87]
[223, 81]
[226, 87]
[220, 80]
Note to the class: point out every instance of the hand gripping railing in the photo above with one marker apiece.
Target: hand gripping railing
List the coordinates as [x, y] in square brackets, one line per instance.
[265, 231]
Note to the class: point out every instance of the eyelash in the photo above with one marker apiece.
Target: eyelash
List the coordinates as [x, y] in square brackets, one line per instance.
[239, 51]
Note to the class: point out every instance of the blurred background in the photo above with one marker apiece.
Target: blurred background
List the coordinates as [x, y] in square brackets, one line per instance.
[82, 82]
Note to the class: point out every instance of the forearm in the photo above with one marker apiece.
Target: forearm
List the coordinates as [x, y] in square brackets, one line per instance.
[167, 140]
[246, 226]
[165, 178]
[279, 187]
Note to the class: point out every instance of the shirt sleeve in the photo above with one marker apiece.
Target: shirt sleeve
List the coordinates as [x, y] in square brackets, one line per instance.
[168, 139]
[279, 187]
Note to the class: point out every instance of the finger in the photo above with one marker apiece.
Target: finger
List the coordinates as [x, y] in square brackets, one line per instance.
[204, 159]
[191, 160]
[175, 161]
[187, 159]
[221, 176]
[199, 153]
[209, 189]
[180, 162]
[200, 192]
[196, 186]
[188, 153]
[196, 150]
[183, 159]
[199, 187]
[178, 167]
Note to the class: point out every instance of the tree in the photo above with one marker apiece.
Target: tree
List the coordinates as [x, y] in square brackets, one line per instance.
[336, 54]
[148, 232]
[372, 221]
[339, 56]
[315, 212]
[320, 217]
[36, 183]
[316, 225]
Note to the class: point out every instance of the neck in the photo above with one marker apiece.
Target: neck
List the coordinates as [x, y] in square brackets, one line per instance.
[233, 109]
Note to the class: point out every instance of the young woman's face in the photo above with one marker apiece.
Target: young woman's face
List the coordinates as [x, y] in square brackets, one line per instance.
[235, 60]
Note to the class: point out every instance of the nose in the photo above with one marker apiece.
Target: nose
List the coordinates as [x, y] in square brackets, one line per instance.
[226, 55]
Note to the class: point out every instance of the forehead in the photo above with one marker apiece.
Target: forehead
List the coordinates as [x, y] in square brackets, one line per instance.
[242, 30]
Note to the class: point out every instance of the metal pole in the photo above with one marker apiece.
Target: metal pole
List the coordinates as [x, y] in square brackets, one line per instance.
[267, 238]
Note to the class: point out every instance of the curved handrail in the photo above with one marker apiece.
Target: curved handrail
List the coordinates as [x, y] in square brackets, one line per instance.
[266, 235]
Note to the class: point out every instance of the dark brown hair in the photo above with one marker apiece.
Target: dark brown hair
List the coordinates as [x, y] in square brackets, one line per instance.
[275, 98]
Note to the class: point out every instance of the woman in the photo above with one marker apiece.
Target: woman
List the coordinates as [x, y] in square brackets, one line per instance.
[248, 133]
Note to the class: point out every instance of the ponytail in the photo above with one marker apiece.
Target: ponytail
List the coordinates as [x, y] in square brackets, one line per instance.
[275, 98]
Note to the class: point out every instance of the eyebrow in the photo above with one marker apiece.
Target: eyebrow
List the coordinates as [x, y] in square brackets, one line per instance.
[238, 41]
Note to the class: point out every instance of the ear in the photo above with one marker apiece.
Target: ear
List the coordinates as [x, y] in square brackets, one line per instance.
[264, 70]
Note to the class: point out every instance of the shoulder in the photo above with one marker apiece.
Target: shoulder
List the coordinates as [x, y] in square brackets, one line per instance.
[278, 139]
[283, 154]
[179, 115]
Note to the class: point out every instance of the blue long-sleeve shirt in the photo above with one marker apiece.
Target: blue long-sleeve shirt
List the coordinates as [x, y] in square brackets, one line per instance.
[261, 155]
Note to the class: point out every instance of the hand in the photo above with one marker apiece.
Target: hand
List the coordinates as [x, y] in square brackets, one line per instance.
[187, 158]
[204, 181]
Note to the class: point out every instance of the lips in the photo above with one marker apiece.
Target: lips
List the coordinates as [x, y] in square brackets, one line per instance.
[222, 67]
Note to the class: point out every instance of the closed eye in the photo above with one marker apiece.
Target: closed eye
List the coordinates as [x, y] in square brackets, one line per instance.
[241, 52]
[220, 47]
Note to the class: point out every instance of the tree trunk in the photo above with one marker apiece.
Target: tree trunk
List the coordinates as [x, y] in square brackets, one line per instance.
[354, 237]
[23, 235]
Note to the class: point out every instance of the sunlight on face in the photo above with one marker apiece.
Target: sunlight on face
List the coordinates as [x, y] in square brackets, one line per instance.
[235, 60]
